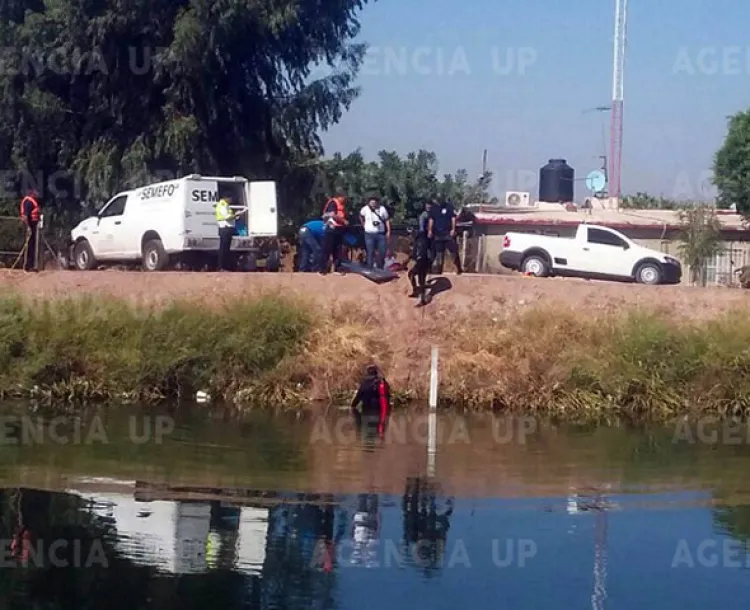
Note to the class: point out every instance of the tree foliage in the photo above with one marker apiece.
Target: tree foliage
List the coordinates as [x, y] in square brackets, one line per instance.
[115, 94]
[403, 183]
[732, 164]
[700, 240]
[644, 201]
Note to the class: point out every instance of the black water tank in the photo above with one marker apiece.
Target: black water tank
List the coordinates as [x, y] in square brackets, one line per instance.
[556, 182]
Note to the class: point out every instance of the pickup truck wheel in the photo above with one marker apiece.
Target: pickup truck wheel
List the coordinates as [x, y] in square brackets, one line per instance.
[536, 266]
[83, 257]
[648, 273]
[155, 258]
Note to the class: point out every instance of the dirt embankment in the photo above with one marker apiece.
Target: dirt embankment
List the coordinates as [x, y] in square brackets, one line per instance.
[387, 303]
[491, 357]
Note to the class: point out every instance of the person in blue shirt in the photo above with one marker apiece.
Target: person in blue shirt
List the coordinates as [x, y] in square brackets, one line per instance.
[311, 245]
[350, 240]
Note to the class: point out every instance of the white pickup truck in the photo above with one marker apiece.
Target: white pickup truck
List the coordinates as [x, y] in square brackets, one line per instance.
[595, 252]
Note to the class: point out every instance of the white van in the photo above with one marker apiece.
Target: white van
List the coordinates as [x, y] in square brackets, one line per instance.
[170, 222]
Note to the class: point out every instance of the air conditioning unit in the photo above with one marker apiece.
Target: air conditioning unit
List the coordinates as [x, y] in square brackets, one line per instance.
[517, 199]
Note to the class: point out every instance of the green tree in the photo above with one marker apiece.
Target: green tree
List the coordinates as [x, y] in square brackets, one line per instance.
[118, 94]
[700, 240]
[644, 201]
[479, 191]
[732, 165]
[404, 183]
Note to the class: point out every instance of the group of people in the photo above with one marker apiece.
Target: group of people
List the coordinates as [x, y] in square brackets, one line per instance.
[436, 234]
[321, 240]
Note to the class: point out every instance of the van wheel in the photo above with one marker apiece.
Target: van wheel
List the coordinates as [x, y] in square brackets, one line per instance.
[535, 265]
[154, 256]
[83, 257]
[648, 273]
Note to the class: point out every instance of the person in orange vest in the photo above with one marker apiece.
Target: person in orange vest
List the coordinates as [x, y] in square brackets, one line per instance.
[30, 215]
[337, 222]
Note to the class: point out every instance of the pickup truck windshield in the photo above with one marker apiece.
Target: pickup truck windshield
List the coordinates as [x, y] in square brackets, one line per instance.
[605, 238]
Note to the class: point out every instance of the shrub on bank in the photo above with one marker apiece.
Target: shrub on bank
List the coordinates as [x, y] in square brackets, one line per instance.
[97, 348]
[638, 366]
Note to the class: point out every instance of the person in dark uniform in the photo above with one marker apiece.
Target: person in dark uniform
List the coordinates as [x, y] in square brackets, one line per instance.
[422, 256]
[374, 394]
[30, 215]
[442, 231]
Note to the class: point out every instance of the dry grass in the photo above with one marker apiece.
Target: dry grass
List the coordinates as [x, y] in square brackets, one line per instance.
[639, 364]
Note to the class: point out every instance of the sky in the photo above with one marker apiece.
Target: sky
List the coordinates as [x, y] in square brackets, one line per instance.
[516, 77]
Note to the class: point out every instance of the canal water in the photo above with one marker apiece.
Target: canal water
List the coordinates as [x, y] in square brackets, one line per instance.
[177, 509]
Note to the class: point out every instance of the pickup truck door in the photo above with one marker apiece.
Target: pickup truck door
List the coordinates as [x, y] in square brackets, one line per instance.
[606, 253]
[107, 235]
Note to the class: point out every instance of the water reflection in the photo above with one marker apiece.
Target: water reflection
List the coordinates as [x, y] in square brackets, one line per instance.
[562, 523]
[303, 550]
[425, 524]
[366, 531]
[299, 560]
[286, 555]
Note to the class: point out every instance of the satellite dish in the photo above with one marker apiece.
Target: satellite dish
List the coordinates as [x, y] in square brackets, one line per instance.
[596, 181]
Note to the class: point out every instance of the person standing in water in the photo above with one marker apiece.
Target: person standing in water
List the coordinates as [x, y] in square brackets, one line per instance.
[374, 394]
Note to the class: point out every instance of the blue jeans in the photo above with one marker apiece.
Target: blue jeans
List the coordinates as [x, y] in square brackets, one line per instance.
[375, 242]
[310, 251]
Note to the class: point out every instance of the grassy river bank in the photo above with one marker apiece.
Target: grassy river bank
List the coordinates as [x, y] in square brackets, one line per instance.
[280, 352]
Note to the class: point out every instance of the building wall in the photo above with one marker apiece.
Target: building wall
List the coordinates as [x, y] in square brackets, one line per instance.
[720, 270]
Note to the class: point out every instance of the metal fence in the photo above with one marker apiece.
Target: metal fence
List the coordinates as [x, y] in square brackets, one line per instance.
[13, 239]
[12, 242]
[721, 269]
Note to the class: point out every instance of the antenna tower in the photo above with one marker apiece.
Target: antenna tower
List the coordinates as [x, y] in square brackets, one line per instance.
[615, 157]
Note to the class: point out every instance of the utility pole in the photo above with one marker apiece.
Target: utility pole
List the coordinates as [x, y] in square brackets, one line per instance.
[603, 158]
[615, 157]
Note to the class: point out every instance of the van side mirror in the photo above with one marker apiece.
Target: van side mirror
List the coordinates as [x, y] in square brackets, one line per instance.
[626, 246]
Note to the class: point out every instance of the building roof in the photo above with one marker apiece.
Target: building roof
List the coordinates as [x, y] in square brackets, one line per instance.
[623, 219]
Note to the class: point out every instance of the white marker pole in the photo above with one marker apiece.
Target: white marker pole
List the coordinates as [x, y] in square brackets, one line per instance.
[432, 421]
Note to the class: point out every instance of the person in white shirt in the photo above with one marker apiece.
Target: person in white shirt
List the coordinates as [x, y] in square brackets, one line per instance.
[377, 226]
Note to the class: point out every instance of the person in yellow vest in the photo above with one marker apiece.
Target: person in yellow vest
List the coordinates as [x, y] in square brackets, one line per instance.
[213, 546]
[225, 218]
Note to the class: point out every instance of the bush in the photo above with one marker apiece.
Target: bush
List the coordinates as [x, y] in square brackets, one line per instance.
[96, 348]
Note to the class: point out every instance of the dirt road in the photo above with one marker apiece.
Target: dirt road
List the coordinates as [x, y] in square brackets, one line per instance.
[388, 303]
